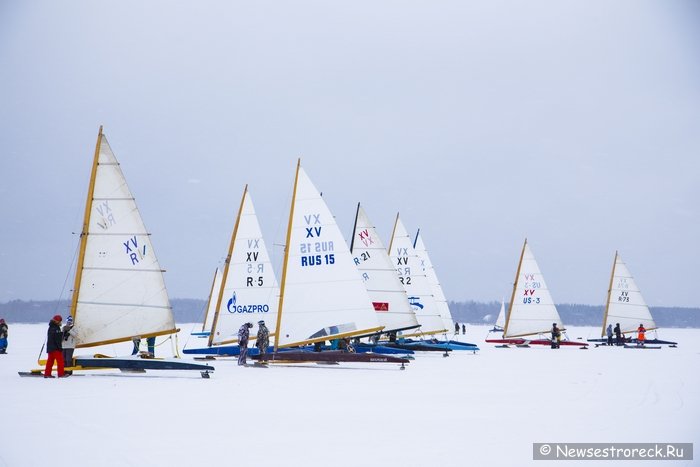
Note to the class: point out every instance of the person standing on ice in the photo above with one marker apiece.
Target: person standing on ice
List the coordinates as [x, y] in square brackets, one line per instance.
[464, 329]
[618, 334]
[456, 328]
[243, 336]
[610, 334]
[556, 336]
[54, 347]
[263, 338]
[68, 342]
[3, 336]
[640, 334]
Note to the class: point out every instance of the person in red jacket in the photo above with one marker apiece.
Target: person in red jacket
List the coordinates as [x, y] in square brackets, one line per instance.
[54, 347]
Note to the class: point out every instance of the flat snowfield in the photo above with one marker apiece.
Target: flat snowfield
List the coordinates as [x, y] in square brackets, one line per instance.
[463, 410]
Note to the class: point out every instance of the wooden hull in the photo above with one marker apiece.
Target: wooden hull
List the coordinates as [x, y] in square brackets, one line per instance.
[547, 342]
[329, 356]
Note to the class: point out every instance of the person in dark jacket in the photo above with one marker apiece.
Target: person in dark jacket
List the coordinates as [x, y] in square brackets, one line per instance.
[556, 336]
[54, 347]
[3, 336]
[618, 334]
[456, 328]
[464, 329]
[263, 337]
[243, 336]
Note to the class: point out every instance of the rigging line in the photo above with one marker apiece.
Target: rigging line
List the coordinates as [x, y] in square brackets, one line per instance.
[65, 281]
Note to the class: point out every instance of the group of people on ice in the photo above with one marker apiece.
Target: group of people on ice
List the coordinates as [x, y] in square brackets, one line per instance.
[262, 340]
[620, 338]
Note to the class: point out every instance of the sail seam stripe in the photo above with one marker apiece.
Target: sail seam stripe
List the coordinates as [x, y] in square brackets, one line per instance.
[132, 305]
[101, 234]
[122, 269]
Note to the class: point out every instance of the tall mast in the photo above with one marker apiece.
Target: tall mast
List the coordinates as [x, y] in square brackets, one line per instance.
[211, 291]
[354, 228]
[607, 302]
[391, 240]
[86, 226]
[515, 286]
[286, 258]
[227, 263]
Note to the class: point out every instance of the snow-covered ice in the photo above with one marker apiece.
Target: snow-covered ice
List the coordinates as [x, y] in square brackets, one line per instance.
[477, 410]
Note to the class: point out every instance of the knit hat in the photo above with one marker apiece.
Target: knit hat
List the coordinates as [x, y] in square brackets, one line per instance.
[69, 320]
[261, 322]
[57, 318]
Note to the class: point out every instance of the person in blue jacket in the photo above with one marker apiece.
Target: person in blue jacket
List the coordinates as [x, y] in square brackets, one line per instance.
[3, 336]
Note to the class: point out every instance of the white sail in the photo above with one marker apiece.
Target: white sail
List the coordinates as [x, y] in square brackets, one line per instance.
[119, 289]
[427, 266]
[211, 301]
[250, 292]
[532, 310]
[414, 280]
[625, 302]
[501, 319]
[322, 293]
[388, 295]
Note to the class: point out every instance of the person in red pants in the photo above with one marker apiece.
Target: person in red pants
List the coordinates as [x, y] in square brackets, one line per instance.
[54, 347]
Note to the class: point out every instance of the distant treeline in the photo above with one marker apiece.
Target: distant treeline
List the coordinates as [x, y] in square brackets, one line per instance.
[575, 315]
[187, 310]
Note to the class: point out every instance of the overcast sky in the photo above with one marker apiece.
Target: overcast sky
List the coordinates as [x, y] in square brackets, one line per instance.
[573, 123]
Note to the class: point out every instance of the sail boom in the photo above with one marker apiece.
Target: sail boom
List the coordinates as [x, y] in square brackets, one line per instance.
[341, 335]
[125, 339]
[425, 333]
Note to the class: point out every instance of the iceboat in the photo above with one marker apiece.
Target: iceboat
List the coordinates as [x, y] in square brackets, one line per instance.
[626, 306]
[322, 296]
[387, 293]
[247, 290]
[531, 311]
[119, 292]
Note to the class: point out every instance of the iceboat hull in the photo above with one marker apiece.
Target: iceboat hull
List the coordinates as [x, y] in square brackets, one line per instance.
[137, 363]
[332, 356]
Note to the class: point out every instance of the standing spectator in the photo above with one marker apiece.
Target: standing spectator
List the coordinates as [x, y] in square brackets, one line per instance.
[54, 347]
[640, 334]
[456, 328]
[618, 334]
[263, 338]
[137, 343]
[3, 336]
[464, 329]
[243, 336]
[151, 343]
[610, 334]
[68, 343]
[556, 336]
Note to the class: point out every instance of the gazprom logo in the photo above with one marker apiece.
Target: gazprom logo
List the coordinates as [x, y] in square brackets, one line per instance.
[233, 308]
[231, 303]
